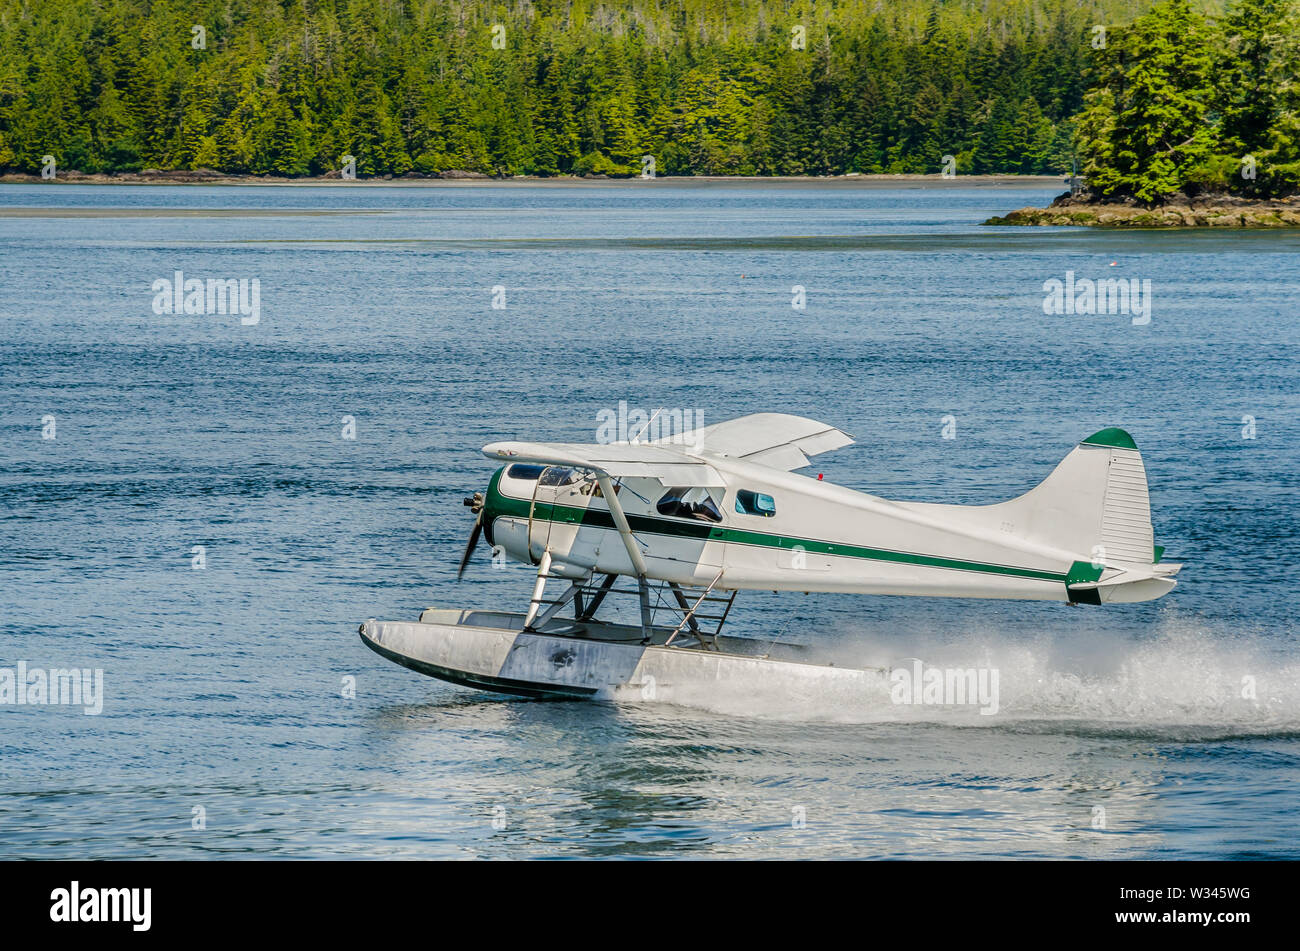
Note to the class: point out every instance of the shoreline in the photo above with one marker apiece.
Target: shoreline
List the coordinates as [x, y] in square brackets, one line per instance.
[464, 179]
[1210, 211]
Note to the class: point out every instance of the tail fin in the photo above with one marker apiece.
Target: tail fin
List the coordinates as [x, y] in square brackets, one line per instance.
[1095, 503]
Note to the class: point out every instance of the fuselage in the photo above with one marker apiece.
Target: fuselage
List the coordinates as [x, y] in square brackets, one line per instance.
[768, 529]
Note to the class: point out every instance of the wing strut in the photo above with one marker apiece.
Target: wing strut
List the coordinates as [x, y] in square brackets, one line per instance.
[633, 552]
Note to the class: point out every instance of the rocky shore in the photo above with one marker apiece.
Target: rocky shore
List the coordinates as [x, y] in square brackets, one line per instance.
[1207, 211]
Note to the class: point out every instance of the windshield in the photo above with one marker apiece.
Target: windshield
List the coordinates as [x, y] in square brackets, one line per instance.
[558, 475]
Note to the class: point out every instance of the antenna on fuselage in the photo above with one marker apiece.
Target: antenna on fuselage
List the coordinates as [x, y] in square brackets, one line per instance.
[633, 440]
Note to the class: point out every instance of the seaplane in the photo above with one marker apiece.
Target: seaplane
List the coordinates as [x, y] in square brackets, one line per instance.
[679, 525]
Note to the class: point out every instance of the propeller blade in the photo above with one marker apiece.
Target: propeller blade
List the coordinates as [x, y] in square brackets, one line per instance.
[473, 543]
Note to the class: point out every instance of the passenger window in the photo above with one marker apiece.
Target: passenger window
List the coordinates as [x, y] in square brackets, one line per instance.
[755, 503]
[689, 502]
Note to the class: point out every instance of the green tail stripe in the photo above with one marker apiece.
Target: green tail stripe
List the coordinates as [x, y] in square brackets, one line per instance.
[1081, 572]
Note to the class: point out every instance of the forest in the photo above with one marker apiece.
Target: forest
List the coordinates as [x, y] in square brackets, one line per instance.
[705, 87]
[1184, 102]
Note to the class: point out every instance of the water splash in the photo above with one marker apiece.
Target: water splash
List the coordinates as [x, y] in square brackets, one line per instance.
[1183, 683]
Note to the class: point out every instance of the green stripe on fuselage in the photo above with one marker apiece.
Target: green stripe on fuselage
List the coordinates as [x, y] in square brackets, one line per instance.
[499, 505]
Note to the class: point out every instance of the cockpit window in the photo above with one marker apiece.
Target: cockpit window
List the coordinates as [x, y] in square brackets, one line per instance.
[522, 470]
[755, 503]
[559, 475]
[592, 487]
[549, 475]
[689, 502]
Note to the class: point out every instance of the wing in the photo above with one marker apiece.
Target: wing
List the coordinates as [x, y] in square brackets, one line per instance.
[646, 460]
[770, 439]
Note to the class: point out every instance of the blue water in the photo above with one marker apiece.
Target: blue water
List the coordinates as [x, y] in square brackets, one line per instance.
[224, 685]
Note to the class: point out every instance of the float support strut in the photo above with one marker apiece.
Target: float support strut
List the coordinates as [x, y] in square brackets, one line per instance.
[589, 608]
[543, 569]
[646, 617]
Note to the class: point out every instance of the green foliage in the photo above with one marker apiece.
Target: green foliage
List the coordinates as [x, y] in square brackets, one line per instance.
[1184, 103]
[580, 87]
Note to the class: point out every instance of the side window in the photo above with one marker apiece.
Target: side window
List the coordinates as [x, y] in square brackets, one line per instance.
[755, 503]
[689, 502]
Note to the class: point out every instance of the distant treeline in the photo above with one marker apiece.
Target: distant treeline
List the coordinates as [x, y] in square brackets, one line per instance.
[548, 87]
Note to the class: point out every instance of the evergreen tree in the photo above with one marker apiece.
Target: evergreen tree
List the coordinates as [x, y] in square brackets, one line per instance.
[579, 86]
[1258, 71]
[1184, 104]
[1146, 125]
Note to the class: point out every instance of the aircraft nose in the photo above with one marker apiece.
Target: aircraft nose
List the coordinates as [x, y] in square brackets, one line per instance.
[488, 509]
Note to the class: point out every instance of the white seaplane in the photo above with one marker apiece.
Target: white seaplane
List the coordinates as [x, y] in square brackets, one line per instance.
[691, 519]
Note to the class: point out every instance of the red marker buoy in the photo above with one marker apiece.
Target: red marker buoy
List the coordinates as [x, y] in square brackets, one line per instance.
[819, 477]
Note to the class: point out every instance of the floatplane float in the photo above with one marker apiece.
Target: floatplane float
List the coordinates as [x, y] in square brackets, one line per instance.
[683, 523]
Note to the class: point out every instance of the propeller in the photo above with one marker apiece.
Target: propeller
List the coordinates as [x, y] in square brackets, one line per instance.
[475, 504]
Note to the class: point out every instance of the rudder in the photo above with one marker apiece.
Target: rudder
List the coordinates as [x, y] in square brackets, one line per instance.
[1095, 503]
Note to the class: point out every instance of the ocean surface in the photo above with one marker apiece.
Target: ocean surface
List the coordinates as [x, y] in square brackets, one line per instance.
[201, 530]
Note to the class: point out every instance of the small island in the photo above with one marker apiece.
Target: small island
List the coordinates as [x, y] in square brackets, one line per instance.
[1180, 211]
[1191, 121]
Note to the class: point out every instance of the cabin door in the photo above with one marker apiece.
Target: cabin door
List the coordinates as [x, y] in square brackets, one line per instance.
[560, 500]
